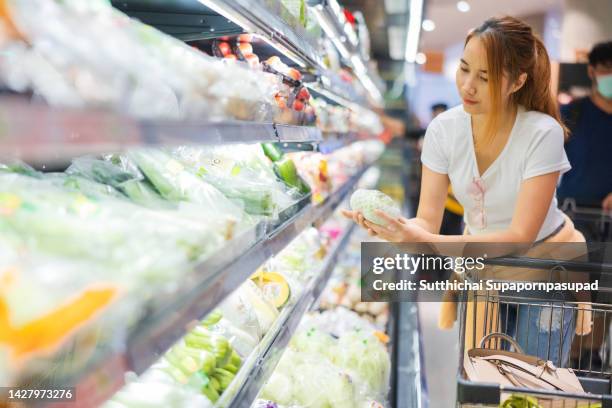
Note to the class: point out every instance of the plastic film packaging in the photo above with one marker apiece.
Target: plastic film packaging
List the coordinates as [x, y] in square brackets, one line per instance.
[241, 173]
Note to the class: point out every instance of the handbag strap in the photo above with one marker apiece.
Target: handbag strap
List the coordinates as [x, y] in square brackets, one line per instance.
[483, 352]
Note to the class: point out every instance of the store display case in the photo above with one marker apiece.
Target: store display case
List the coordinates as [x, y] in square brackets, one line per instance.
[110, 142]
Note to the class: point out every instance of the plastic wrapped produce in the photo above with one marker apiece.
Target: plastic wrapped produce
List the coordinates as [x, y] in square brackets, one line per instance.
[120, 173]
[155, 395]
[150, 75]
[247, 309]
[242, 341]
[337, 322]
[194, 372]
[301, 258]
[364, 355]
[150, 245]
[241, 173]
[177, 183]
[368, 201]
[45, 299]
[320, 370]
[306, 380]
[312, 167]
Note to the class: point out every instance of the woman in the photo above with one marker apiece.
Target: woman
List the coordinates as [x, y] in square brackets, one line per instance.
[501, 151]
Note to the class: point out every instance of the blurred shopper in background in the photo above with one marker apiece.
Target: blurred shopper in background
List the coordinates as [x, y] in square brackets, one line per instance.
[589, 146]
[437, 109]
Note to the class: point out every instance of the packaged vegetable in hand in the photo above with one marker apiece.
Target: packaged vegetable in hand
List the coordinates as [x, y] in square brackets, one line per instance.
[368, 201]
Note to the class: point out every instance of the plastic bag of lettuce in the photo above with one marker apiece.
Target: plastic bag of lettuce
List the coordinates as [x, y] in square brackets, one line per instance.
[318, 370]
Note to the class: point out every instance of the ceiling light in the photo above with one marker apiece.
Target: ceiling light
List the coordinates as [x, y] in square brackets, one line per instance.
[429, 25]
[463, 6]
[413, 32]
[421, 58]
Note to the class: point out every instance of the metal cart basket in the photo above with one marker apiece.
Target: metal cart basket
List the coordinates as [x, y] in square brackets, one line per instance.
[544, 325]
[594, 223]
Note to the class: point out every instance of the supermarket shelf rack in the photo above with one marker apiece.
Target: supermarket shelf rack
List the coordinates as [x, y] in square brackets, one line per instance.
[58, 134]
[192, 20]
[217, 277]
[260, 366]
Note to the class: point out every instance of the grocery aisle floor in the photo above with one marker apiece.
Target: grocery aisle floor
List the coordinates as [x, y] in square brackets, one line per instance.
[441, 350]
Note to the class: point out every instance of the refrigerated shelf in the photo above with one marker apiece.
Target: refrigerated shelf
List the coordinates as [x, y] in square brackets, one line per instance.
[265, 19]
[210, 283]
[186, 20]
[60, 134]
[261, 364]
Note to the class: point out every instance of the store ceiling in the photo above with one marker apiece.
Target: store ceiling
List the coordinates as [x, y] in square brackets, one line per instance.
[376, 19]
[452, 25]
[387, 20]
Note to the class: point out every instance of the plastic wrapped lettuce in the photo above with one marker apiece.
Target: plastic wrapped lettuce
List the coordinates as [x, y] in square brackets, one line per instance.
[316, 342]
[19, 168]
[363, 355]
[319, 370]
[368, 201]
[88, 187]
[337, 322]
[309, 381]
[242, 173]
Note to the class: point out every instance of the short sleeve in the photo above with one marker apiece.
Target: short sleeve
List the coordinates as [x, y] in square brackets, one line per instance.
[434, 155]
[546, 154]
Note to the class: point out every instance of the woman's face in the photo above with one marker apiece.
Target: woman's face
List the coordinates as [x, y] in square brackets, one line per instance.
[472, 79]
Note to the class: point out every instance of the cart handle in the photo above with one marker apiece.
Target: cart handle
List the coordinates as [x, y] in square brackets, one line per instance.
[509, 339]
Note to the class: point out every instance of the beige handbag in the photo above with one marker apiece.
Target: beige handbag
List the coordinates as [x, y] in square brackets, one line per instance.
[516, 369]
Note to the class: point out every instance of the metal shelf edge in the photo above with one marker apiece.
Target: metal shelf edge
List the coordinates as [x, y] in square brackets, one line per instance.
[59, 134]
[290, 133]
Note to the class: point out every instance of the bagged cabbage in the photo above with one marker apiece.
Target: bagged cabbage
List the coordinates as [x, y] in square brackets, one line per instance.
[364, 355]
[316, 342]
[368, 201]
[307, 380]
[337, 322]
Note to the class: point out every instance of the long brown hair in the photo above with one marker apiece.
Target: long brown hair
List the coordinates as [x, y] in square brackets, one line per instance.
[513, 49]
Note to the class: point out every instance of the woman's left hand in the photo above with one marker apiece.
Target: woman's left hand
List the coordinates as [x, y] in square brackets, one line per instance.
[398, 229]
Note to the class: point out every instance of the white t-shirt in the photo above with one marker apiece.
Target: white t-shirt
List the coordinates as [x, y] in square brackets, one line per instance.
[534, 148]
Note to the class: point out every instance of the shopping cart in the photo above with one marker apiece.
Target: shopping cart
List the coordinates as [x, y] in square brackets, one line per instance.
[594, 223]
[499, 321]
